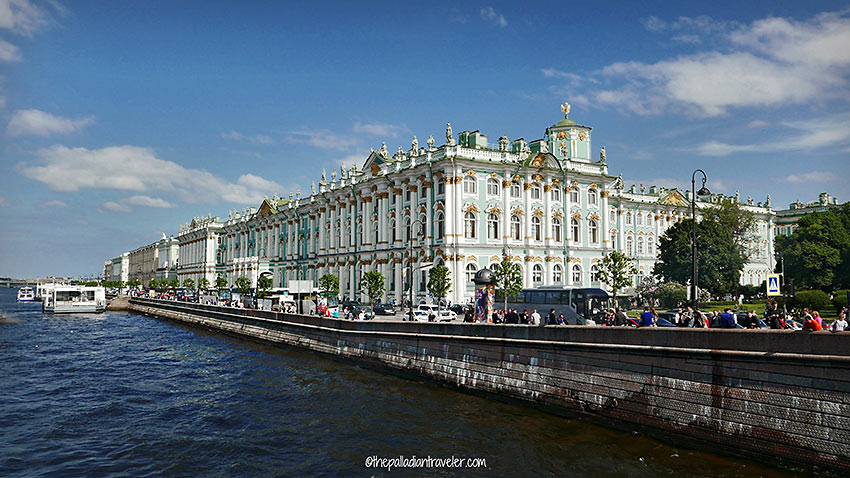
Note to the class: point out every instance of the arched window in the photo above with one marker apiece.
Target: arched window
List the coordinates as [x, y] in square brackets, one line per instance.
[649, 218]
[575, 229]
[492, 226]
[492, 187]
[469, 225]
[650, 245]
[593, 229]
[640, 246]
[537, 274]
[557, 274]
[516, 228]
[535, 191]
[441, 187]
[470, 186]
[614, 240]
[594, 274]
[592, 197]
[441, 225]
[471, 269]
[515, 190]
[422, 230]
[576, 274]
[536, 228]
[630, 246]
[612, 217]
[639, 219]
[574, 195]
[556, 192]
[556, 229]
[629, 218]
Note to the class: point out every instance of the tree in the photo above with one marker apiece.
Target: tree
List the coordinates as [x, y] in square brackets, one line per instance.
[508, 276]
[174, 283]
[373, 282]
[737, 220]
[617, 271]
[243, 285]
[220, 283]
[203, 283]
[816, 253]
[439, 283]
[671, 294]
[329, 285]
[153, 284]
[264, 283]
[719, 259]
[188, 283]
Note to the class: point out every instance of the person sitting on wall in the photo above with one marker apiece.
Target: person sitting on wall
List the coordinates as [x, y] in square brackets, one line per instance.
[647, 318]
[728, 320]
[811, 324]
[620, 317]
[551, 319]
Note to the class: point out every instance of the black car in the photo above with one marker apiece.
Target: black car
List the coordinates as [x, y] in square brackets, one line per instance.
[461, 309]
[384, 309]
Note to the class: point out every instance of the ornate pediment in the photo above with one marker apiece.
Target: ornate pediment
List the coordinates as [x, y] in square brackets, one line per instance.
[673, 198]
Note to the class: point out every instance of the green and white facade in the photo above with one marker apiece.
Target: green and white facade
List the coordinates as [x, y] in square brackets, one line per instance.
[547, 203]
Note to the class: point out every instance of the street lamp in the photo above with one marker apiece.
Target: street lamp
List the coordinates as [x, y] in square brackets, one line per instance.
[781, 259]
[703, 191]
[410, 261]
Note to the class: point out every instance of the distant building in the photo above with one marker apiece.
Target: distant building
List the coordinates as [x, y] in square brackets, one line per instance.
[168, 249]
[198, 241]
[120, 268]
[786, 219]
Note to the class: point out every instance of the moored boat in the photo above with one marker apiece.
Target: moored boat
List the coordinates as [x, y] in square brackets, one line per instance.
[25, 294]
[65, 299]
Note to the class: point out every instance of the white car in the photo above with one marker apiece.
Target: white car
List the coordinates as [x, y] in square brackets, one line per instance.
[444, 315]
[420, 316]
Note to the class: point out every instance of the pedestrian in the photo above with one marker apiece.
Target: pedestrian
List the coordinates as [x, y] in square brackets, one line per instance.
[619, 317]
[647, 318]
[525, 318]
[700, 320]
[811, 324]
[513, 317]
[816, 316]
[535, 318]
[728, 320]
[839, 325]
[551, 319]
[561, 320]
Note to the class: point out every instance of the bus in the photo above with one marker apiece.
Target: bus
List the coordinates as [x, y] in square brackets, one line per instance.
[576, 304]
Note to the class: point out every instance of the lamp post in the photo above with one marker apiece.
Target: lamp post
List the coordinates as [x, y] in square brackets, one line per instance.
[410, 262]
[781, 259]
[703, 191]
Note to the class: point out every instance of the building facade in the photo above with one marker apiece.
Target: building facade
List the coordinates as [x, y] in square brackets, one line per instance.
[168, 249]
[143, 263]
[786, 219]
[547, 204]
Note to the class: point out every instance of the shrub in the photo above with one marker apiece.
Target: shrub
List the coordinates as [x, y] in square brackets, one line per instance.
[813, 299]
[839, 299]
[671, 294]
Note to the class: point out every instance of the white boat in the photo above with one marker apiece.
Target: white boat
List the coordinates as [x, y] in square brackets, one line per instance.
[66, 299]
[25, 294]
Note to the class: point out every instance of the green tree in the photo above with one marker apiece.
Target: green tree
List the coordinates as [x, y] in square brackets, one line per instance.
[220, 283]
[329, 285]
[719, 259]
[243, 285]
[671, 294]
[174, 283]
[153, 284]
[617, 271]
[373, 282]
[732, 217]
[264, 283]
[439, 283]
[188, 283]
[508, 276]
[203, 283]
[817, 251]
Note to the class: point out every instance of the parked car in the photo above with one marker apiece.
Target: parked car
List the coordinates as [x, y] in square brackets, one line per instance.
[420, 316]
[443, 315]
[384, 309]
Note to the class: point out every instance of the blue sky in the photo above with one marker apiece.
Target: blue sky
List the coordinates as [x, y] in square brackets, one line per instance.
[119, 121]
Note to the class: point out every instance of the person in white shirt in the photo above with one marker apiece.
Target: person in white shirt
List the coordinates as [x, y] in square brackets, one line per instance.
[535, 318]
[839, 325]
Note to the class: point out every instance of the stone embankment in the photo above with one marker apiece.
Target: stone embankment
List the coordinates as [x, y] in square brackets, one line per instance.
[119, 303]
[764, 394]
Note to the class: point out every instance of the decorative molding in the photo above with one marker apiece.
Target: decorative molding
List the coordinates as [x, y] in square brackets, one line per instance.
[547, 188]
[576, 215]
[470, 208]
[469, 172]
[558, 214]
[517, 211]
[537, 213]
[604, 194]
[526, 186]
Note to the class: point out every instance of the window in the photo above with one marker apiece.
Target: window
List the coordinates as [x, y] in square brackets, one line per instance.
[639, 219]
[630, 246]
[407, 195]
[393, 231]
[375, 225]
[649, 218]
[441, 187]
[594, 273]
[537, 274]
[492, 187]
[516, 228]
[592, 197]
[629, 218]
[576, 274]
[471, 269]
[557, 274]
[614, 240]
[492, 226]
[469, 185]
[556, 229]
[612, 217]
[536, 228]
[593, 229]
[469, 225]
[441, 226]
[574, 195]
[515, 190]
[556, 193]
[575, 229]
[640, 246]
[535, 191]
[650, 245]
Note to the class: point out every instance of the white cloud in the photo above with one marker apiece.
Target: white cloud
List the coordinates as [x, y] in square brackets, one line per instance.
[133, 168]
[39, 123]
[488, 13]
[55, 204]
[811, 177]
[21, 16]
[255, 139]
[148, 201]
[3, 202]
[773, 62]
[9, 53]
[116, 207]
[352, 159]
[379, 129]
[757, 124]
[322, 139]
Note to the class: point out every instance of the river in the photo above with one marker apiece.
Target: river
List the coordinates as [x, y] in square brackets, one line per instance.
[118, 394]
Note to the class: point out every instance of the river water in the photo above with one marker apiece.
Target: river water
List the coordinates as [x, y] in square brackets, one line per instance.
[118, 394]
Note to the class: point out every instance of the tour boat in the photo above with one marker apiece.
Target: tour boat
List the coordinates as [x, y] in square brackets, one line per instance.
[65, 299]
[25, 294]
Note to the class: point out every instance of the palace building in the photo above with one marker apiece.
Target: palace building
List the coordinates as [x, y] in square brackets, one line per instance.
[548, 204]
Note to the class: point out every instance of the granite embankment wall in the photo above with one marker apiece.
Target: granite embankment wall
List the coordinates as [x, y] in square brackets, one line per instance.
[764, 394]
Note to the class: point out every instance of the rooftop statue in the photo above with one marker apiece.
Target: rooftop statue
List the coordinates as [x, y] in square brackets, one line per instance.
[430, 142]
[566, 109]
[381, 152]
[450, 140]
[602, 155]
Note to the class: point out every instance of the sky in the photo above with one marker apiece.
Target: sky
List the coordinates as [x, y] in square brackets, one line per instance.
[121, 120]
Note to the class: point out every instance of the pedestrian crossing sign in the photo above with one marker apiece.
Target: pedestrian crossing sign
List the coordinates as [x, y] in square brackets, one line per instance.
[773, 285]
